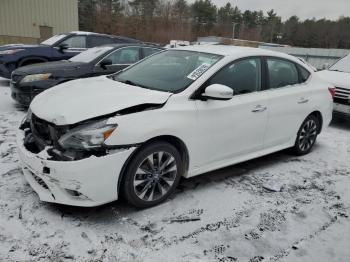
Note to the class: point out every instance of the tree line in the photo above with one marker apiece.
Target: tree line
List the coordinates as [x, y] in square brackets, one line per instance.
[162, 20]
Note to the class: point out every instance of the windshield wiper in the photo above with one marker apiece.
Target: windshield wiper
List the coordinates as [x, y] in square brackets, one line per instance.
[129, 82]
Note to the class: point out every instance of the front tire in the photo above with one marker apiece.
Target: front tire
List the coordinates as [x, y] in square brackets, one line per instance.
[306, 136]
[152, 175]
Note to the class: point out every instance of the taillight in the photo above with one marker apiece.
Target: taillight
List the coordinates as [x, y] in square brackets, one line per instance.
[332, 91]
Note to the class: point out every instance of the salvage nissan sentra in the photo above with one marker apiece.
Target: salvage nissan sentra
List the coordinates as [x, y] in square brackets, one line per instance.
[181, 112]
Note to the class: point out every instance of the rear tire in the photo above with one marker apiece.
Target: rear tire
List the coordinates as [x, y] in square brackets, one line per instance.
[152, 175]
[306, 136]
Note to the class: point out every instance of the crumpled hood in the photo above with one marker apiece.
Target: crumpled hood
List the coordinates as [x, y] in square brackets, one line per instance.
[338, 79]
[83, 99]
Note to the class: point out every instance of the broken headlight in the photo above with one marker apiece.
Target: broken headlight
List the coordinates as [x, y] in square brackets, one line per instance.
[89, 136]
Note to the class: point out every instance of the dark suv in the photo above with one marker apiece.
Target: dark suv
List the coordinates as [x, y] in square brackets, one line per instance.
[58, 47]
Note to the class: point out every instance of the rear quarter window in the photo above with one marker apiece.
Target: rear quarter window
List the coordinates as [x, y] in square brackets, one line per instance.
[304, 74]
[282, 73]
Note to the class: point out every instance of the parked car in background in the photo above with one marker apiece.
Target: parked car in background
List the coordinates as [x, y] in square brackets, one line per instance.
[180, 112]
[339, 76]
[28, 81]
[177, 43]
[58, 47]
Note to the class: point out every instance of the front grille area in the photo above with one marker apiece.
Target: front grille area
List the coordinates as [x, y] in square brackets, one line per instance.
[41, 129]
[45, 133]
[25, 96]
[342, 96]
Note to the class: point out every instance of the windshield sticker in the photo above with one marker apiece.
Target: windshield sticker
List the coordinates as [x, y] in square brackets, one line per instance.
[198, 71]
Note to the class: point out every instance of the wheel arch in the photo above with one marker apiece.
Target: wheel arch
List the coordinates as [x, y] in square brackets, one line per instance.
[173, 140]
[34, 58]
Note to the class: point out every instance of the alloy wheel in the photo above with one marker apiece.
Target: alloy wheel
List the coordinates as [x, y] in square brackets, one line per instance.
[155, 176]
[308, 135]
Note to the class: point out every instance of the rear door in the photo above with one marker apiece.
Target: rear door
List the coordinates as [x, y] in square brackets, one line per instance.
[121, 58]
[289, 100]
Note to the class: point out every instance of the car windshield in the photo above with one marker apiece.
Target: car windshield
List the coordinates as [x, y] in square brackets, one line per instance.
[168, 71]
[53, 40]
[90, 54]
[342, 65]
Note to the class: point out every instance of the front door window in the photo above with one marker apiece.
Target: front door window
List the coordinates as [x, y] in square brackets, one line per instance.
[243, 76]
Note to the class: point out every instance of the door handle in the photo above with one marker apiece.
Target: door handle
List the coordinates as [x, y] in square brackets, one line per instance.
[303, 100]
[259, 109]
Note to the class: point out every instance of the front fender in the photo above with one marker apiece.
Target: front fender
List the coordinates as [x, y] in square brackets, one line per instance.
[139, 127]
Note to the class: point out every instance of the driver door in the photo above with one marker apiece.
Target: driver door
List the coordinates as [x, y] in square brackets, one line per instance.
[235, 127]
[120, 58]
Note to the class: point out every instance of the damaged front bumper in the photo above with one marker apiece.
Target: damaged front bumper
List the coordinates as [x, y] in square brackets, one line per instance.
[87, 182]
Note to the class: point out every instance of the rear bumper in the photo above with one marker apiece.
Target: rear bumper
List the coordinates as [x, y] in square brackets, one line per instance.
[88, 182]
[341, 109]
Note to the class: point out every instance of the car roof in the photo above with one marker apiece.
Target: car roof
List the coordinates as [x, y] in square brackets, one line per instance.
[119, 45]
[235, 51]
[83, 33]
[112, 36]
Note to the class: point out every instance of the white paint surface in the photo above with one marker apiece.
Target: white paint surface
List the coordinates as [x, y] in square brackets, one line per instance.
[231, 204]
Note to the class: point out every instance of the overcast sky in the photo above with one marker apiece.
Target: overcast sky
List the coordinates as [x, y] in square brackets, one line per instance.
[330, 9]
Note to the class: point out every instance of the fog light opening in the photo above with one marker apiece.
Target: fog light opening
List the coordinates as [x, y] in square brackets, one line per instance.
[76, 194]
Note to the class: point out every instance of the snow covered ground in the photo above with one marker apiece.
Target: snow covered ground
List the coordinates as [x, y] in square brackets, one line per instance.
[275, 208]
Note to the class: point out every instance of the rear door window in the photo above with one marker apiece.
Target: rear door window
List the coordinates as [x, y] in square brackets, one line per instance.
[99, 40]
[281, 73]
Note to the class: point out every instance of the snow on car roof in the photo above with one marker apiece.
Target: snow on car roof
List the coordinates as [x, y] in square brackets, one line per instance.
[229, 50]
[83, 33]
[112, 36]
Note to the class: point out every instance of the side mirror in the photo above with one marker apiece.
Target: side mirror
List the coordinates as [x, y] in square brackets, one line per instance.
[218, 92]
[63, 47]
[106, 62]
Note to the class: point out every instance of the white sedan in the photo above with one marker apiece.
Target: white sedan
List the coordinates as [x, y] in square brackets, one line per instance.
[178, 113]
